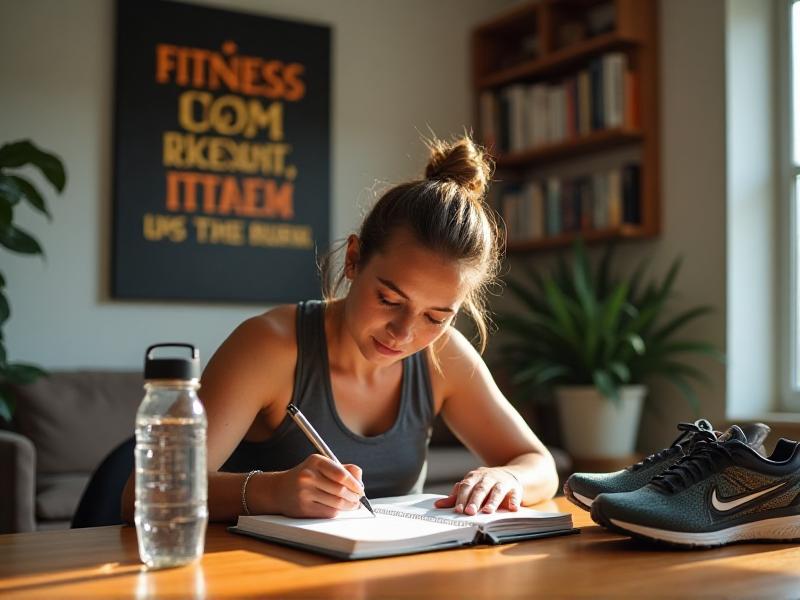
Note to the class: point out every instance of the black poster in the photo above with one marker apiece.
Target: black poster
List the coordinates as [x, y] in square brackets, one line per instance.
[222, 154]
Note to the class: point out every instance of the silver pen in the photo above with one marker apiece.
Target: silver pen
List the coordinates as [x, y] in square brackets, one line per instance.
[319, 443]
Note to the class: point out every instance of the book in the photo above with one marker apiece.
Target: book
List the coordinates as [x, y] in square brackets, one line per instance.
[553, 206]
[615, 206]
[614, 68]
[403, 525]
[631, 205]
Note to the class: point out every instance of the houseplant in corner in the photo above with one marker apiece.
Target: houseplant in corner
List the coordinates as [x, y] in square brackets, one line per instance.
[15, 190]
[596, 339]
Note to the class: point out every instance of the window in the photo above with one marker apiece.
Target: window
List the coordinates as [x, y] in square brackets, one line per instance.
[789, 152]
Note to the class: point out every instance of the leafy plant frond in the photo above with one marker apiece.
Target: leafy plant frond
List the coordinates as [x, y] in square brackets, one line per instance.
[594, 327]
[16, 189]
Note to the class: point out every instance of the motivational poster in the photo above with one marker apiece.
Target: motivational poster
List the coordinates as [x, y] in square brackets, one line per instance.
[221, 154]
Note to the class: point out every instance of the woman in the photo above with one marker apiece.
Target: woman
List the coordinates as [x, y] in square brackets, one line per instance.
[371, 370]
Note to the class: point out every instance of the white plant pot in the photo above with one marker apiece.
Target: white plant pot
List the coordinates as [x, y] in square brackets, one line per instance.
[594, 426]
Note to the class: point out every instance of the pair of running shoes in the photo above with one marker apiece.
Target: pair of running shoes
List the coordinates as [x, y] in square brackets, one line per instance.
[707, 489]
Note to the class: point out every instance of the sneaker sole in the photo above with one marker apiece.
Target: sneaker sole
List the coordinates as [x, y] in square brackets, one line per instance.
[778, 529]
[578, 499]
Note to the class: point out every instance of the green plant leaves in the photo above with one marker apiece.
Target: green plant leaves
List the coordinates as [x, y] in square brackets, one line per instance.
[597, 328]
[5, 308]
[14, 189]
[21, 374]
[18, 154]
[7, 404]
[17, 240]
[6, 212]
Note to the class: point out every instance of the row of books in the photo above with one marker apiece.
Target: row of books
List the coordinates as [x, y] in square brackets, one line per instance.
[524, 116]
[542, 208]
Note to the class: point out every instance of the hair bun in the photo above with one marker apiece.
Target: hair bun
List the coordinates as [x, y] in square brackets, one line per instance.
[461, 161]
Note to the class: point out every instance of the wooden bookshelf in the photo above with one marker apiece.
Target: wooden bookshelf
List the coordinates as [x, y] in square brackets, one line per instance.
[550, 42]
[588, 144]
[557, 61]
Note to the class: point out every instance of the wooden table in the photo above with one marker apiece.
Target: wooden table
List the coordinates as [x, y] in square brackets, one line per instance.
[103, 562]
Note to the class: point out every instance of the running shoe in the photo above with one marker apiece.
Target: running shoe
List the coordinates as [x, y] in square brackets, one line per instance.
[582, 488]
[723, 492]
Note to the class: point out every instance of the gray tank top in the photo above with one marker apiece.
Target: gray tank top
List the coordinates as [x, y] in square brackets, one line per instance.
[393, 463]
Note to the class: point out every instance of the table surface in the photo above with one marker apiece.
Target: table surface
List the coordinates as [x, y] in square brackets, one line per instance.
[103, 561]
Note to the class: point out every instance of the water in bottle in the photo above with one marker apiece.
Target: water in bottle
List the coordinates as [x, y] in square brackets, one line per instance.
[171, 478]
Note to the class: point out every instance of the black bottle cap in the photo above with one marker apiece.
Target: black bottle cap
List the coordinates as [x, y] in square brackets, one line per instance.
[172, 368]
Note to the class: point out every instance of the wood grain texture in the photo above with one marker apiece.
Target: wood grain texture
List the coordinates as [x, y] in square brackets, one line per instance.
[103, 562]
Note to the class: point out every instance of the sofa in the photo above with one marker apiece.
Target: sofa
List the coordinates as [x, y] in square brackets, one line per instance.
[66, 423]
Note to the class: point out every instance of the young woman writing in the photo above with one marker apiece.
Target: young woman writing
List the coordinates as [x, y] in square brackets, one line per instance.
[371, 368]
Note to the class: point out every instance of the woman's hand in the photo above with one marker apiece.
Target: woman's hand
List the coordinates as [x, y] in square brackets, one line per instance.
[485, 489]
[319, 487]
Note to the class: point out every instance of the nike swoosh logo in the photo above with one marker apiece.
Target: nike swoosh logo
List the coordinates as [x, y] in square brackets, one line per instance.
[723, 506]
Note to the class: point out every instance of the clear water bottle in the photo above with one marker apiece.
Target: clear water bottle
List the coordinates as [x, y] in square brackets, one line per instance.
[171, 479]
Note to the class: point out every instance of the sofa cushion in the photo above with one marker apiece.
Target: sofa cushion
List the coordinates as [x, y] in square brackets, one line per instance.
[57, 495]
[75, 418]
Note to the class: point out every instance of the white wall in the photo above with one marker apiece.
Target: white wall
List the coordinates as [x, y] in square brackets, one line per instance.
[398, 67]
[693, 196]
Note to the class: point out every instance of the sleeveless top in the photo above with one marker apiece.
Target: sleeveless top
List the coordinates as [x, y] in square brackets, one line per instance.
[393, 463]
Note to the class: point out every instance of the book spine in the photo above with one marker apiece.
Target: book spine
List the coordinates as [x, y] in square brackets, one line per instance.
[614, 66]
[631, 194]
[553, 206]
[584, 103]
[502, 118]
[599, 201]
[632, 110]
[596, 85]
[585, 198]
[537, 210]
[615, 198]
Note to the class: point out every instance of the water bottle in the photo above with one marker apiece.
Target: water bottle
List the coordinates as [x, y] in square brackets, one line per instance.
[171, 478]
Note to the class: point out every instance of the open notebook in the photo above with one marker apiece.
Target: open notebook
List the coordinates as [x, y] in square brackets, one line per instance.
[403, 525]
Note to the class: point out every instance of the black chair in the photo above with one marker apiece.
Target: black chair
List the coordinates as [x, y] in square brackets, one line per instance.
[100, 503]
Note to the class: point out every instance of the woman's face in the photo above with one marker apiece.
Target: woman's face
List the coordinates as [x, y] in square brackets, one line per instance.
[402, 299]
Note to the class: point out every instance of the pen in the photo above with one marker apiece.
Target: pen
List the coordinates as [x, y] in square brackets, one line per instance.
[319, 443]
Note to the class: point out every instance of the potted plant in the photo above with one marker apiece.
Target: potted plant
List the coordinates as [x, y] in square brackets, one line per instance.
[595, 340]
[14, 190]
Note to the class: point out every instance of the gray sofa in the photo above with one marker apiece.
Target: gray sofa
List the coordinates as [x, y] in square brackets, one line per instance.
[65, 424]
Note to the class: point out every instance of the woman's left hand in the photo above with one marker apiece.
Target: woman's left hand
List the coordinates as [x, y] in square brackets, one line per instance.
[484, 489]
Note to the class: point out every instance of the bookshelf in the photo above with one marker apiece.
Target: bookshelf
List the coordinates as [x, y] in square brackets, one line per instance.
[566, 100]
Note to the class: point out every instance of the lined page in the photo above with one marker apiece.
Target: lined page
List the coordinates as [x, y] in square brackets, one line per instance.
[420, 506]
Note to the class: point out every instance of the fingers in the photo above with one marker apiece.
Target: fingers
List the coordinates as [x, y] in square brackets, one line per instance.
[474, 498]
[448, 502]
[337, 473]
[513, 500]
[484, 489]
[355, 471]
[314, 479]
[495, 498]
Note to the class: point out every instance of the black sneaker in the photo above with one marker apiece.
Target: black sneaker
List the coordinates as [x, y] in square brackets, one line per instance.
[723, 492]
[582, 488]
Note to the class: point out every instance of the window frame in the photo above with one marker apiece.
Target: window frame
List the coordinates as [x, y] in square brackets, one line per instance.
[788, 178]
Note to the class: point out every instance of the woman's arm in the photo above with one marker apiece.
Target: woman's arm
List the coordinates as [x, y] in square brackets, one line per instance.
[253, 371]
[520, 468]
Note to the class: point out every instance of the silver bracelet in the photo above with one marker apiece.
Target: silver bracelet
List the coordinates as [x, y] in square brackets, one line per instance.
[244, 490]
[510, 472]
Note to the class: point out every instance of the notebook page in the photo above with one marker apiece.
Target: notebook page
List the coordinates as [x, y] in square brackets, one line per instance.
[358, 525]
[421, 507]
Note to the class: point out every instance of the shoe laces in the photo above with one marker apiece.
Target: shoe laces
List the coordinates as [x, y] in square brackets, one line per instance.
[677, 444]
[705, 459]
